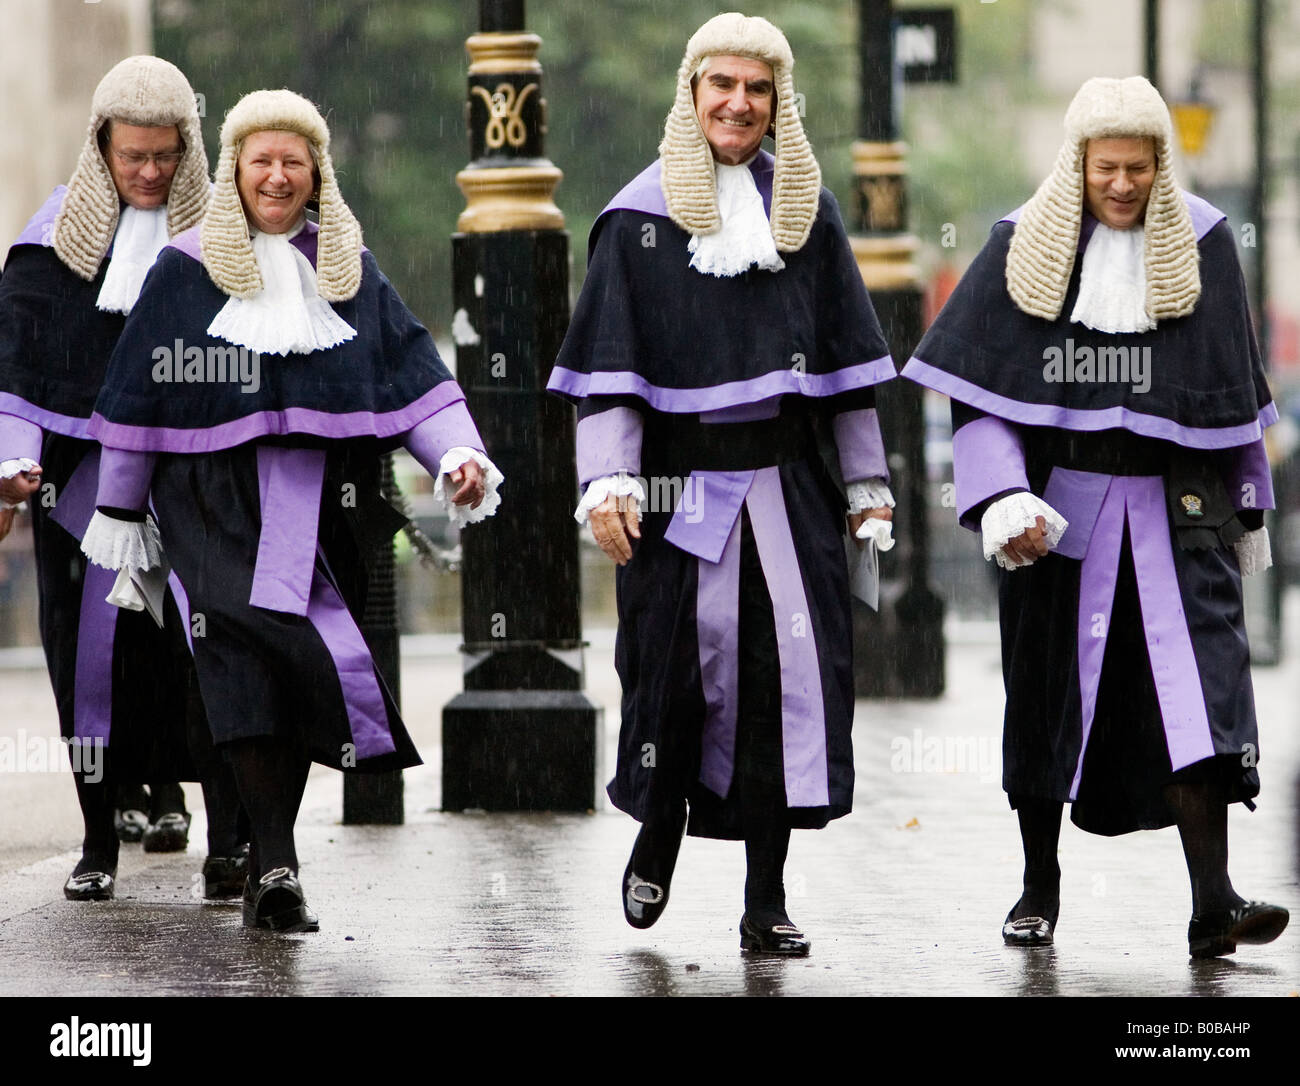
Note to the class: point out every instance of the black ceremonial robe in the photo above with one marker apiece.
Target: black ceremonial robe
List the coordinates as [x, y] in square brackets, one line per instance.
[266, 494]
[1124, 650]
[741, 401]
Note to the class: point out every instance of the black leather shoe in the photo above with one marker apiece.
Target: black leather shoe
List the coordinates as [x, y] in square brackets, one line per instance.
[171, 833]
[224, 876]
[278, 904]
[1029, 931]
[644, 902]
[784, 939]
[130, 825]
[90, 886]
[1210, 935]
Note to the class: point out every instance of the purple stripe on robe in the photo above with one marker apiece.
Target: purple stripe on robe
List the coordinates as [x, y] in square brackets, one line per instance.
[40, 229]
[609, 443]
[1141, 500]
[803, 708]
[717, 606]
[290, 482]
[1169, 644]
[1077, 496]
[1249, 478]
[860, 444]
[711, 397]
[19, 438]
[367, 714]
[1087, 420]
[706, 511]
[1097, 579]
[92, 700]
[125, 478]
[74, 505]
[444, 430]
[988, 457]
[67, 425]
[292, 420]
[182, 606]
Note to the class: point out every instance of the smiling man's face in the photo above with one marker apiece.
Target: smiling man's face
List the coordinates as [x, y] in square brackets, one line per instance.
[1118, 175]
[733, 101]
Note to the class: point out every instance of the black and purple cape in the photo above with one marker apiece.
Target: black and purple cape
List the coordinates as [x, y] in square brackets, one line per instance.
[744, 403]
[1124, 650]
[117, 678]
[265, 484]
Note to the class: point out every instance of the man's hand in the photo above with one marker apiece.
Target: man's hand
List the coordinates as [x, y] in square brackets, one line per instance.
[856, 521]
[469, 478]
[6, 521]
[1030, 545]
[612, 522]
[21, 487]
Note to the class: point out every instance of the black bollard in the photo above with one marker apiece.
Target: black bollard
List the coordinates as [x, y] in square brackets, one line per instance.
[522, 735]
[898, 652]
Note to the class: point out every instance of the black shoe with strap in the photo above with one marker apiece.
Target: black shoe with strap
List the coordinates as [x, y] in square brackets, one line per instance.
[1213, 934]
[278, 904]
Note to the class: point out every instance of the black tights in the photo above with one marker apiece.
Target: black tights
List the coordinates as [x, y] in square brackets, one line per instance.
[1201, 813]
[271, 777]
[99, 845]
[767, 843]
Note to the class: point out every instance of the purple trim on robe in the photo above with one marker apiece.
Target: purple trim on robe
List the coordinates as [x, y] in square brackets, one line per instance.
[711, 397]
[182, 606]
[1077, 496]
[860, 444]
[188, 242]
[1086, 420]
[1205, 216]
[367, 714]
[449, 427]
[293, 420]
[988, 458]
[66, 425]
[707, 510]
[645, 191]
[290, 482]
[40, 228]
[1250, 467]
[92, 699]
[74, 505]
[125, 478]
[609, 443]
[803, 708]
[717, 606]
[19, 438]
[1141, 500]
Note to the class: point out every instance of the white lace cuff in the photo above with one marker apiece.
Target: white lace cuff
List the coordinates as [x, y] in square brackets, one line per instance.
[461, 515]
[600, 489]
[1008, 517]
[869, 494]
[1254, 554]
[122, 544]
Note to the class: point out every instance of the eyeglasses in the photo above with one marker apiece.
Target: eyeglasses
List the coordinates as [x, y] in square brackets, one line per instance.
[137, 159]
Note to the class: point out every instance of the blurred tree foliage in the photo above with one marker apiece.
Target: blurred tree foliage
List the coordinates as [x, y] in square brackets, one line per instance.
[390, 76]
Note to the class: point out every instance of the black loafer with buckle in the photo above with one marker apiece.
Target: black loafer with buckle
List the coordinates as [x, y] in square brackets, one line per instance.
[278, 904]
[782, 939]
[171, 833]
[129, 825]
[643, 902]
[224, 876]
[1210, 935]
[1029, 931]
[89, 886]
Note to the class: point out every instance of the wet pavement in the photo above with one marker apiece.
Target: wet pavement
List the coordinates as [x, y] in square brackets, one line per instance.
[905, 897]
